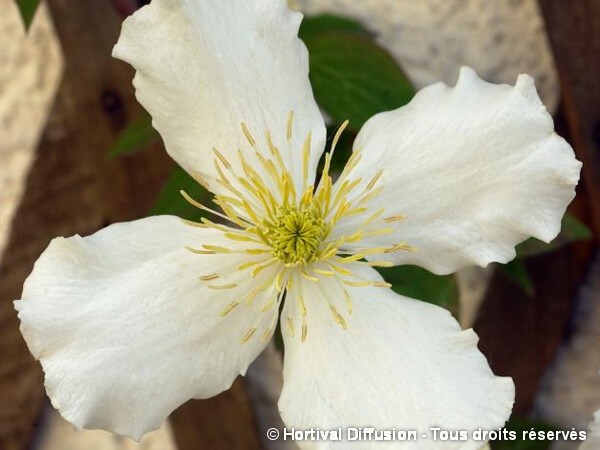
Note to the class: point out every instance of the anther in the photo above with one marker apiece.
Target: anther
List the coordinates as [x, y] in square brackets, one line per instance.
[248, 136]
[248, 335]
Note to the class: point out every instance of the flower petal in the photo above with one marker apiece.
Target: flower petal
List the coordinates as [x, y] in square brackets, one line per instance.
[400, 363]
[206, 67]
[475, 169]
[124, 329]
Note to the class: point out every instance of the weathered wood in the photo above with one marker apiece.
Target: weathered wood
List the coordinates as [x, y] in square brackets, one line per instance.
[225, 421]
[74, 188]
[520, 334]
[574, 32]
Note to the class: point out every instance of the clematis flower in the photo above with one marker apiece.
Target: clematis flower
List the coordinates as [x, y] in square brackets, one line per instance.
[134, 320]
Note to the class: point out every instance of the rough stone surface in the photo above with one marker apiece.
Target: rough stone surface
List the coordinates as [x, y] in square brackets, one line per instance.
[570, 392]
[30, 69]
[431, 39]
[60, 435]
[472, 287]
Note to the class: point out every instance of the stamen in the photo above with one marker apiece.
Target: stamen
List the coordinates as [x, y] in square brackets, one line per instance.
[194, 224]
[267, 306]
[328, 273]
[366, 283]
[259, 269]
[248, 335]
[340, 270]
[216, 226]
[210, 277]
[284, 224]
[249, 137]
[374, 180]
[266, 335]
[257, 251]
[205, 208]
[395, 218]
[249, 264]
[250, 299]
[272, 147]
[279, 281]
[290, 324]
[222, 287]
[228, 309]
[309, 277]
[306, 156]
[222, 159]
[351, 258]
[372, 218]
[200, 180]
[290, 122]
[338, 317]
[217, 249]
[348, 301]
[302, 305]
[400, 247]
[357, 283]
[337, 136]
[241, 237]
[380, 263]
[379, 232]
[200, 252]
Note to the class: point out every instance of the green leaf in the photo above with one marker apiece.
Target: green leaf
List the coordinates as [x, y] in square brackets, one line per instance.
[415, 282]
[572, 230]
[326, 23]
[27, 8]
[170, 201]
[353, 78]
[518, 426]
[135, 137]
[516, 272]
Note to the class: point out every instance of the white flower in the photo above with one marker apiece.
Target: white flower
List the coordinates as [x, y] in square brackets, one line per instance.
[138, 318]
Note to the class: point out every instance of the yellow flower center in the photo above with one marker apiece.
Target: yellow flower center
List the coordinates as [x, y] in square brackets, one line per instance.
[297, 234]
[286, 231]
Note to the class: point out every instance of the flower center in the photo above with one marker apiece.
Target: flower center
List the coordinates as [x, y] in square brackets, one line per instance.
[297, 234]
[288, 232]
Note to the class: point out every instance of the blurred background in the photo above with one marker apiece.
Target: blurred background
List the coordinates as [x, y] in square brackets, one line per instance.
[78, 153]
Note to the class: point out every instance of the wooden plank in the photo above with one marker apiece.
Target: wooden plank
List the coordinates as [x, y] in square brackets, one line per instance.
[574, 32]
[520, 334]
[225, 421]
[74, 188]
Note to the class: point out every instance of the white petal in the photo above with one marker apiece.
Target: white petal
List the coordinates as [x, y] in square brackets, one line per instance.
[204, 67]
[592, 441]
[401, 363]
[126, 331]
[475, 169]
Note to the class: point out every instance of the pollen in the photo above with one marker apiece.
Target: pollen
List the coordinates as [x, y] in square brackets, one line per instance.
[297, 234]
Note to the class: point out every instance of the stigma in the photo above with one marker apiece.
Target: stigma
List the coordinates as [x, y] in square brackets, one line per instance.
[297, 234]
